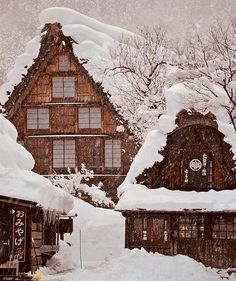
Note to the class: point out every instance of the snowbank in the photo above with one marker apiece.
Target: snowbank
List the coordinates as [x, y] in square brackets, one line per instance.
[12, 154]
[137, 196]
[104, 257]
[18, 181]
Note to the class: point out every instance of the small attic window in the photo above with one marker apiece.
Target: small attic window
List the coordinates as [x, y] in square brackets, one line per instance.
[63, 64]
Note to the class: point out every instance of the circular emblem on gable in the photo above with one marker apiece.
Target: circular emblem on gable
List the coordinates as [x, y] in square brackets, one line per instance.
[195, 165]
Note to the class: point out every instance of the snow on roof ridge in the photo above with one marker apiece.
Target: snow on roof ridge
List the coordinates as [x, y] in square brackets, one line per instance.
[67, 16]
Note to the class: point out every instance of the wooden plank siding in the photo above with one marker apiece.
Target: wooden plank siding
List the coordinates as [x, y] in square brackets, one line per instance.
[215, 252]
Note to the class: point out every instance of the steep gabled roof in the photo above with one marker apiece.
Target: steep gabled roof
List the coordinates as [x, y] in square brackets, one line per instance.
[52, 39]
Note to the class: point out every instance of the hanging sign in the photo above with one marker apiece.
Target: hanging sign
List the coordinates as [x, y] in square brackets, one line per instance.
[19, 234]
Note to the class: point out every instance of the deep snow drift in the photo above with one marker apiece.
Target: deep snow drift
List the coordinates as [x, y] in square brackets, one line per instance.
[104, 257]
[18, 181]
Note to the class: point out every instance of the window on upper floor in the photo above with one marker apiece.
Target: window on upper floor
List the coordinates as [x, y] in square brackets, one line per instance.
[63, 87]
[90, 118]
[112, 153]
[63, 63]
[37, 118]
[64, 154]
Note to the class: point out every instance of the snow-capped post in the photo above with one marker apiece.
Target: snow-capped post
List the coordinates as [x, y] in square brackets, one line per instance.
[209, 69]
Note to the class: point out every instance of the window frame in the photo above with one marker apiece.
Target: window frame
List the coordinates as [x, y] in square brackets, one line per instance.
[64, 155]
[223, 227]
[112, 154]
[191, 227]
[37, 121]
[56, 81]
[90, 118]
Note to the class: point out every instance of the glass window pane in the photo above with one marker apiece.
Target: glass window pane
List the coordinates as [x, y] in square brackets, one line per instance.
[32, 118]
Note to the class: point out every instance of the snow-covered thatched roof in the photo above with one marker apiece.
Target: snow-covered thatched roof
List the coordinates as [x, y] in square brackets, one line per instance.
[134, 196]
[19, 182]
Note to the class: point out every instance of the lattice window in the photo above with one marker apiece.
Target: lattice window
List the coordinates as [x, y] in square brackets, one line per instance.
[64, 154]
[90, 118]
[191, 227]
[224, 228]
[112, 153]
[37, 118]
[63, 87]
[63, 63]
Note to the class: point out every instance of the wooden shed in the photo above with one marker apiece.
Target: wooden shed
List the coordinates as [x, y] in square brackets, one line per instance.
[184, 203]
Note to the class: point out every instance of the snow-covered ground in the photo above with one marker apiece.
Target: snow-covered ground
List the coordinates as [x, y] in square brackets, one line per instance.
[104, 258]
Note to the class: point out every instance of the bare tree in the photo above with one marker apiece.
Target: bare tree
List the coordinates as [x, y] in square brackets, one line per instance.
[210, 67]
[141, 66]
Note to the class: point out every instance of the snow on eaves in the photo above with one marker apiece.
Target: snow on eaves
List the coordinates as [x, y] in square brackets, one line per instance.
[18, 181]
[138, 197]
[66, 16]
[29, 186]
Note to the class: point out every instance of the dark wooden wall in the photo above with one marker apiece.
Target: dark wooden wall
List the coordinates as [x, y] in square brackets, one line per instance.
[215, 252]
[193, 138]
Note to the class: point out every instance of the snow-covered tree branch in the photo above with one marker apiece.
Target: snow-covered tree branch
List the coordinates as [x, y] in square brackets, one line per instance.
[142, 64]
[77, 184]
[210, 67]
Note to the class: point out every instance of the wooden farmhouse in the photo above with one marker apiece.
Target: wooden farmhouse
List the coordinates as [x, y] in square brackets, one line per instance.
[65, 119]
[184, 203]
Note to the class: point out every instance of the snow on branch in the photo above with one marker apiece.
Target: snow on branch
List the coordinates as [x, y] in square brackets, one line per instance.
[76, 183]
[141, 68]
[210, 68]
